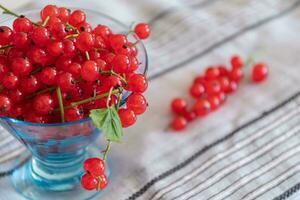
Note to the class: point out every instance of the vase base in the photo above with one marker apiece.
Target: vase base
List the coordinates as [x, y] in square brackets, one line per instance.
[25, 183]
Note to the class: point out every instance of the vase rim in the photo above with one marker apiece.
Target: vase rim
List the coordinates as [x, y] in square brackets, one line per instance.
[30, 11]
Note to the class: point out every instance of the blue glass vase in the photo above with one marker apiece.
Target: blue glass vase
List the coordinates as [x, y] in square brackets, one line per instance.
[58, 150]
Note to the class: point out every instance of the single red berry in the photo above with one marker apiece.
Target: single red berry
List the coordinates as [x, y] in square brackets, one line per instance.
[214, 102]
[22, 24]
[85, 41]
[100, 43]
[236, 62]
[197, 90]
[102, 64]
[49, 11]
[102, 181]
[117, 41]
[202, 107]
[75, 70]
[178, 106]
[5, 35]
[142, 30]
[133, 64]
[38, 56]
[120, 63]
[224, 83]
[189, 115]
[21, 40]
[85, 27]
[40, 36]
[21, 66]
[236, 74]
[108, 57]
[124, 50]
[58, 30]
[69, 48]
[212, 87]
[63, 63]
[15, 95]
[199, 80]
[111, 81]
[127, 117]
[30, 84]
[212, 73]
[223, 71]
[137, 83]
[43, 103]
[5, 105]
[94, 166]
[259, 72]
[103, 31]
[73, 114]
[77, 17]
[88, 182]
[65, 81]
[133, 49]
[55, 48]
[64, 14]
[178, 123]
[232, 87]
[137, 103]
[90, 71]
[52, 21]
[94, 55]
[10, 81]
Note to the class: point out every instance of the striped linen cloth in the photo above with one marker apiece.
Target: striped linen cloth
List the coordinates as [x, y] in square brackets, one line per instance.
[249, 149]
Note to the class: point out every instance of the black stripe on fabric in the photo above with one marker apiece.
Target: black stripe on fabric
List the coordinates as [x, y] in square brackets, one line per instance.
[227, 39]
[186, 162]
[237, 150]
[289, 192]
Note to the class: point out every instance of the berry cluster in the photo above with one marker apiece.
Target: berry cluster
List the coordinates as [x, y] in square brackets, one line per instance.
[60, 68]
[94, 177]
[210, 90]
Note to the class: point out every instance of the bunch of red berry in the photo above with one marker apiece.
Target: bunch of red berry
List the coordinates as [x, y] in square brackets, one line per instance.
[60, 68]
[210, 90]
[94, 177]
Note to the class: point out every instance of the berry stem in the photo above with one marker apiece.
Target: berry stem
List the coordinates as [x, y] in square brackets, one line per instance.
[111, 72]
[61, 105]
[9, 12]
[36, 71]
[105, 152]
[119, 99]
[40, 92]
[46, 21]
[100, 96]
[109, 96]
[6, 47]
[69, 26]
[87, 55]
[72, 36]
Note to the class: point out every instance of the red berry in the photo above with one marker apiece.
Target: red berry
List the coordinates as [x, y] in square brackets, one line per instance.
[21, 40]
[90, 71]
[85, 27]
[137, 83]
[3, 70]
[63, 63]
[232, 87]
[73, 114]
[103, 31]
[137, 103]
[15, 95]
[77, 17]
[199, 80]
[49, 11]
[43, 103]
[142, 30]
[178, 123]
[212, 73]
[120, 63]
[178, 105]
[75, 70]
[127, 117]
[189, 115]
[5, 105]
[22, 24]
[202, 107]
[65, 81]
[223, 71]
[236, 74]
[21, 66]
[30, 84]
[134, 64]
[5, 35]
[63, 14]
[58, 30]
[117, 41]
[88, 182]
[236, 62]
[259, 72]
[69, 48]
[111, 81]
[224, 83]
[94, 166]
[214, 102]
[40, 36]
[197, 90]
[10, 81]
[55, 48]
[37, 55]
[212, 87]
[85, 41]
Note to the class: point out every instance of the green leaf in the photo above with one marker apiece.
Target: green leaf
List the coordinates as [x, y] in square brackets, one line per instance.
[107, 119]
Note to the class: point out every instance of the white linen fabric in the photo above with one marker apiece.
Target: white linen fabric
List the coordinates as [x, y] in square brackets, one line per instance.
[249, 149]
